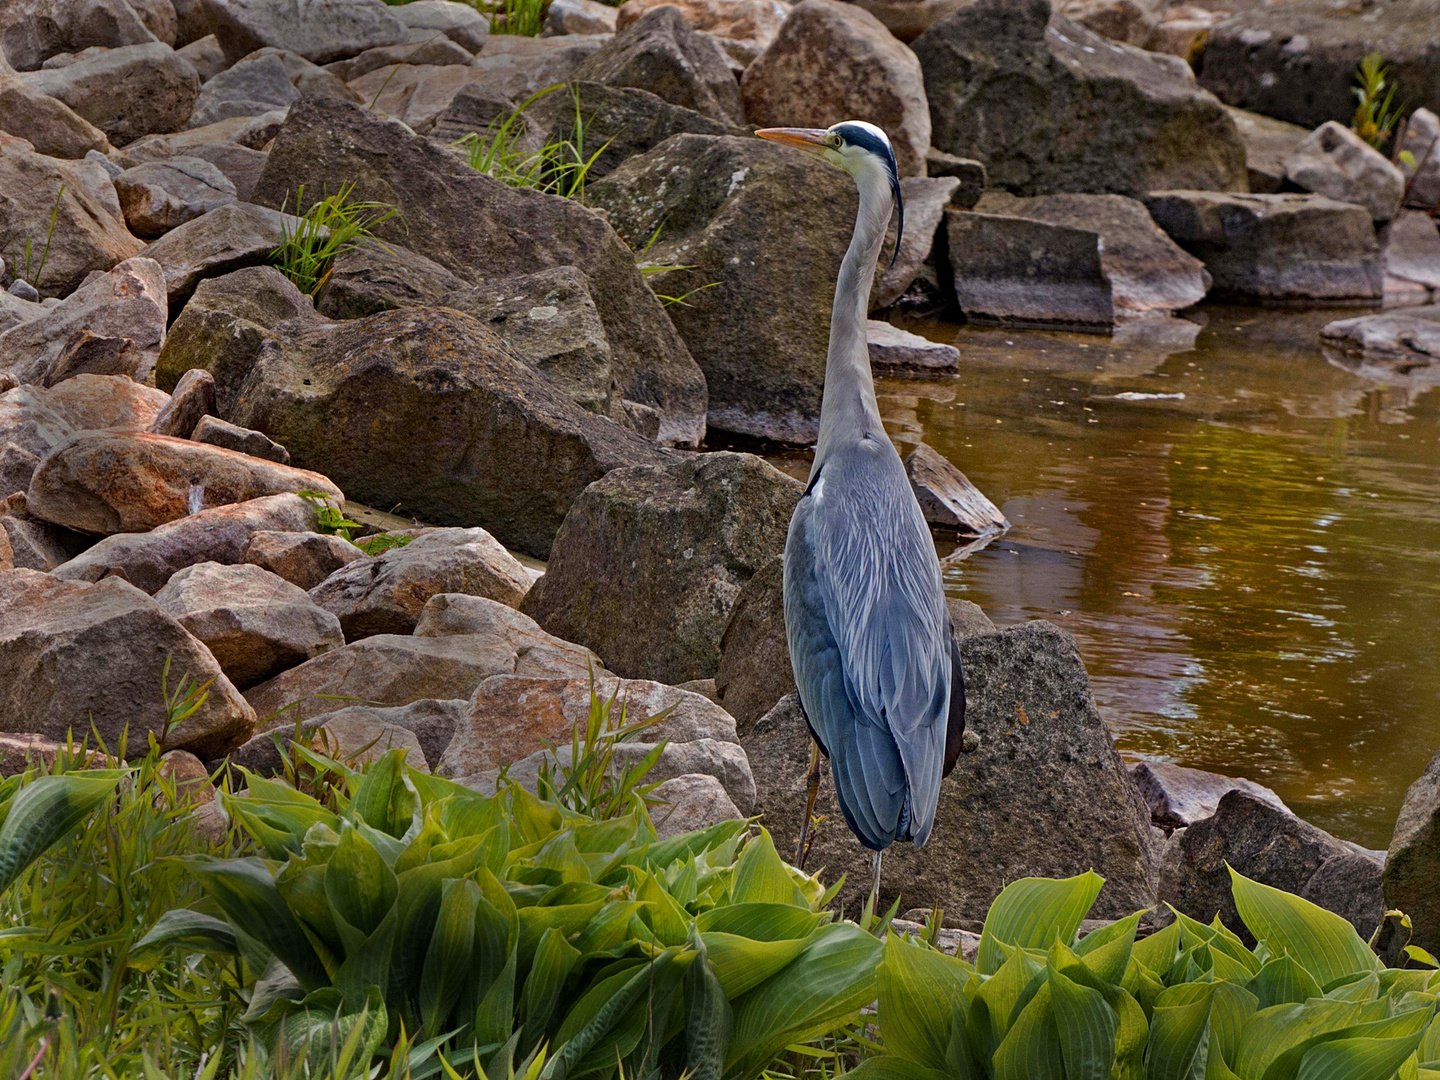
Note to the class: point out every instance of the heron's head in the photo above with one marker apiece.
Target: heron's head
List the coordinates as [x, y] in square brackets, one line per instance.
[858, 147]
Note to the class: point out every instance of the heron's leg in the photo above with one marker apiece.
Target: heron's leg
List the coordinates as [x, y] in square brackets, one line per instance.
[875, 889]
[813, 787]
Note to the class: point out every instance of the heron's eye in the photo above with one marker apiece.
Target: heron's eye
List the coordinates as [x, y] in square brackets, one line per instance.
[835, 142]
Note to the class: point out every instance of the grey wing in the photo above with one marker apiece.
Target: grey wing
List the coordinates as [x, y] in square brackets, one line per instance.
[867, 624]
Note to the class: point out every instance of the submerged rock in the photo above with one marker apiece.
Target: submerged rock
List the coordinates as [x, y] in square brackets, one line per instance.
[1411, 334]
[891, 347]
[677, 541]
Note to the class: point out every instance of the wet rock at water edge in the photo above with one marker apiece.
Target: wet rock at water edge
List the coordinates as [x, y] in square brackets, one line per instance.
[384, 594]
[301, 558]
[891, 347]
[1276, 248]
[677, 541]
[1411, 335]
[1412, 250]
[660, 53]
[254, 623]
[926, 199]
[1272, 846]
[1142, 125]
[1045, 768]
[948, 499]
[1412, 865]
[509, 231]
[1179, 797]
[835, 61]
[71, 649]
[757, 327]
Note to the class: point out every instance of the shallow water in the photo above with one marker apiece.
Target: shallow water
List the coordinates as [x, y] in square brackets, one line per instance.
[1252, 571]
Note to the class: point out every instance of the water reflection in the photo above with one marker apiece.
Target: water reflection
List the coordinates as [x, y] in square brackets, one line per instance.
[1252, 570]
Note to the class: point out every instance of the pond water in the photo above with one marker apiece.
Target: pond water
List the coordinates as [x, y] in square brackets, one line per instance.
[1252, 570]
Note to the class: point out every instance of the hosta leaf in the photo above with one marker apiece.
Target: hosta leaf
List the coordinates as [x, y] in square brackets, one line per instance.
[1323, 943]
[495, 1015]
[1086, 1026]
[44, 812]
[1031, 1048]
[361, 889]
[1142, 984]
[662, 854]
[366, 967]
[610, 927]
[1033, 913]
[1357, 1059]
[245, 890]
[708, 1019]
[1271, 1032]
[891, 1067]
[1286, 1066]
[995, 1002]
[385, 798]
[1106, 951]
[567, 918]
[834, 978]
[192, 931]
[618, 1004]
[920, 992]
[555, 958]
[761, 877]
[1179, 1037]
[447, 961]
[1158, 951]
[1231, 1009]
[760, 921]
[667, 919]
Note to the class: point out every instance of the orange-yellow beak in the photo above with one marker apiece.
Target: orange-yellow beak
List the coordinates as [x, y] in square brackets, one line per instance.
[811, 140]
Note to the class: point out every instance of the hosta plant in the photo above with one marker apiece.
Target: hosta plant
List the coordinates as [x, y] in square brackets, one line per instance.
[1310, 1002]
[512, 933]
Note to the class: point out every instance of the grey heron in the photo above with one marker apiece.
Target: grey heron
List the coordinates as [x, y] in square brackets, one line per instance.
[869, 635]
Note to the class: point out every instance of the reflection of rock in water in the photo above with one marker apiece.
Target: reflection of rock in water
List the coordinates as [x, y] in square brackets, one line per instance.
[1400, 381]
[1167, 336]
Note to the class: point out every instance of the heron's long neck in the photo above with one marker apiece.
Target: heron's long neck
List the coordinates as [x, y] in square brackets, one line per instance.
[848, 407]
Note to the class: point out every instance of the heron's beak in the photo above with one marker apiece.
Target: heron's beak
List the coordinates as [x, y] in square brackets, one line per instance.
[810, 140]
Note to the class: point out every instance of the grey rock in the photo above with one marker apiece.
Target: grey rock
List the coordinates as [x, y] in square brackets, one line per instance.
[546, 319]
[1411, 335]
[971, 174]
[23, 291]
[947, 498]
[1422, 139]
[70, 650]
[1332, 160]
[425, 48]
[385, 594]
[579, 17]
[1098, 117]
[516, 66]
[1118, 20]
[1179, 797]
[17, 465]
[252, 132]
[1412, 250]
[301, 558]
[416, 95]
[544, 655]
[159, 18]
[88, 232]
[508, 231]
[925, 201]
[677, 541]
[510, 453]
[660, 53]
[240, 165]
[192, 399]
[1149, 274]
[1057, 775]
[192, 22]
[111, 167]
[34, 544]
[47, 123]
[158, 196]
[758, 327]
[754, 671]
[891, 347]
[966, 619]
[128, 302]
[213, 431]
[459, 22]
[306, 77]
[1276, 848]
[751, 22]
[1267, 144]
[1412, 865]
[478, 109]
[253, 86]
[32, 31]
[691, 801]
[147, 560]
[835, 61]
[254, 623]
[92, 354]
[224, 240]
[205, 56]
[126, 92]
[320, 30]
[1275, 248]
[223, 327]
[1296, 61]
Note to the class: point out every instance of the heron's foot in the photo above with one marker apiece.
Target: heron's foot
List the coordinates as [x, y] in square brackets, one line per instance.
[969, 742]
[807, 840]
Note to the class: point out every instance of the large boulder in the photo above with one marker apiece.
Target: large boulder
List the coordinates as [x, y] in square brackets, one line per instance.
[429, 50]
[223, 327]
[47, 123]
[675, 541]
[1413, 249]
[127, 92]
[1280, 247]
[148, 560]
[254, 86]
[545, 655]
[32, 31]
[757, 325]
[319, 30]
[459, 22]
[487, 443]
[75, 656]
[689, 802]
[254, 623]
[926, 199]
[1045, 794]
[415, 94]
[547, 319]
[1179, 797]
[327, 142]
[659, 52]
[360, 733]
[515, 66]
[752, 21]
[1332, 160]
[754, 671]
[1296, 61]
[157, 196]
[57, 211]
[36, 420]
[384, 594]
[110, 482]
[835, 61]
[1412, 865]
[226, 239]
[1049, 106]
[1269, 844]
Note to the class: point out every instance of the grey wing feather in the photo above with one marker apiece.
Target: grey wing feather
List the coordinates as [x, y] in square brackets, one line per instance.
[869, 643]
